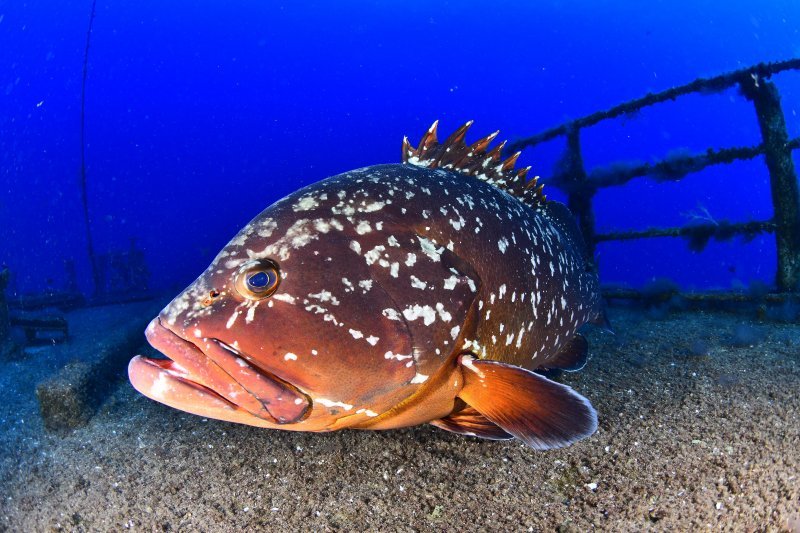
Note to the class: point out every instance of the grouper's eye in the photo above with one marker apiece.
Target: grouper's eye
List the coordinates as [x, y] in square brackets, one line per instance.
[257, 279]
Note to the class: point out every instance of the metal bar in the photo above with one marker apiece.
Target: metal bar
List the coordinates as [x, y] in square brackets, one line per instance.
[783, 179]
[579, 197]
[715, 84]
[6, 345]
[715, 296]
[4, 275]
[709, 230]
[84, 195]
[671, 169]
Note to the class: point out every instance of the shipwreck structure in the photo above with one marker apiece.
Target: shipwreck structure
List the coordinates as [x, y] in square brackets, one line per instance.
[7, 346]
[776, 148]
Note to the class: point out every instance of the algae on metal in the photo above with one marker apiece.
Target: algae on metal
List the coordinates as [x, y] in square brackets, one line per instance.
[783, 179]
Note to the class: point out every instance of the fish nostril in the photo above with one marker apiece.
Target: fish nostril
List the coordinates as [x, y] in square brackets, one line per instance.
[213, 294]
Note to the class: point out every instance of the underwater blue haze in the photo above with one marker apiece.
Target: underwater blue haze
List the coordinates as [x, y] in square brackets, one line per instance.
[201, 114]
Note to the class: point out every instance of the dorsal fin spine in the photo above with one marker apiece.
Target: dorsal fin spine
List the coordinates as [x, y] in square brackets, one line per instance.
[473, 160]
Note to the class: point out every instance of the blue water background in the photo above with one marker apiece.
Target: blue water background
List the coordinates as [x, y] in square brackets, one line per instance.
[200, 114]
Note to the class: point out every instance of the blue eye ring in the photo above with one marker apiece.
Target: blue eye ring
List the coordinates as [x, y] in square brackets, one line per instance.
[256, 280]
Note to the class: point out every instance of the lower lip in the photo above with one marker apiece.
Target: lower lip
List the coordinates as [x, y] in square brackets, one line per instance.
[158, 381]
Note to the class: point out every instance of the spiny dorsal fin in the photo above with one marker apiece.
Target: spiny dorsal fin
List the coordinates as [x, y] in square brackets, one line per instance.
[474, 160]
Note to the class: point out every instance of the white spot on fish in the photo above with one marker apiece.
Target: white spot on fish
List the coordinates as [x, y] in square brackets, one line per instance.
[391, 314]
[297, 236]
[425, 312]
[330, 403]
[322, 226]
[365, 284]
[325, 296]
[418, 283]
[374, 206]
[502, 244]
[306, 203]
[399, 357]
[290, 357]
[283, 297]
[233, 263]
[443, 314]
[232, 319]
[267, 227]
[251, 312]
[363, 227]
[374, 254]
[429, 249]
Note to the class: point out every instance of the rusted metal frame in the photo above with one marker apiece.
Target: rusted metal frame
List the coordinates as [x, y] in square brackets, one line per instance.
[782, 177]
[669, 169]
[579, 196]
[709, 296]
[714, 84]
[740, 228]
[42, 329]
[776, 147]
[4, 319]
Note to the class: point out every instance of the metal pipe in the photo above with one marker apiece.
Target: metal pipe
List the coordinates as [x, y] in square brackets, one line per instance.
[782, 178]
[84, 197]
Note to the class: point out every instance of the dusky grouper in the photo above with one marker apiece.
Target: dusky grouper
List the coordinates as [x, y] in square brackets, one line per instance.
[390, 296]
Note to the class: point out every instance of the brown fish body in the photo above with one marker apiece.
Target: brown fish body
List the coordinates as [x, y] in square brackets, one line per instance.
[385, 297]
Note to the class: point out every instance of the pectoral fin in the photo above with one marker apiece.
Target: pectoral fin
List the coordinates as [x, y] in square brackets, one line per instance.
[572, 356]
[470, 422]
[601, 320]
[542, 413]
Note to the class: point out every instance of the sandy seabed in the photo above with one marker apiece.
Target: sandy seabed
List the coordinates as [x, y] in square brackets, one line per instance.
[697, 432]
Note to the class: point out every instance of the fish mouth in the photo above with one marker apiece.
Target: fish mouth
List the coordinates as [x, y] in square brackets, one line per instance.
[210, 378]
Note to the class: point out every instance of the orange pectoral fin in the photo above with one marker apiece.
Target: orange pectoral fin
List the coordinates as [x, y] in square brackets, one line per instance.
[470, 422]
[542, 413]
